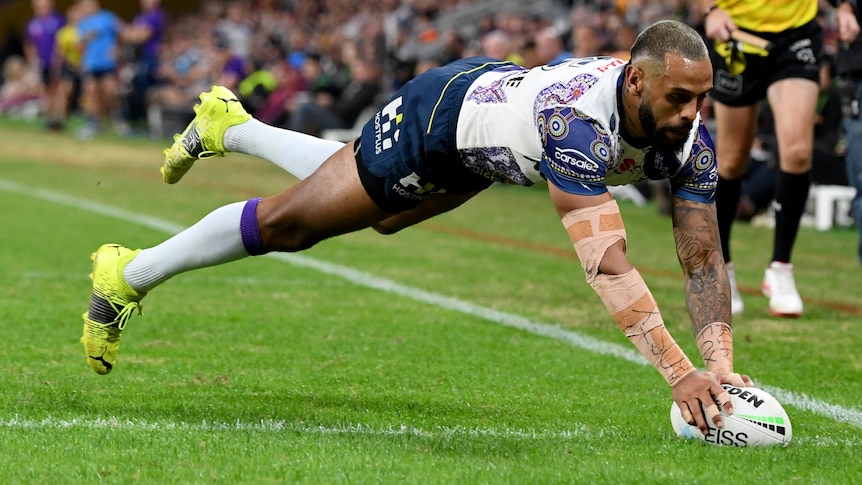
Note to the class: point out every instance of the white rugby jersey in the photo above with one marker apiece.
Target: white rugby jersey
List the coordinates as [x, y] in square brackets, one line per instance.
[562, 123]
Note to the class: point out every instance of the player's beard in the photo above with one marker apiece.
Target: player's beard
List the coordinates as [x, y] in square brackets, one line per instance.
[658, 136]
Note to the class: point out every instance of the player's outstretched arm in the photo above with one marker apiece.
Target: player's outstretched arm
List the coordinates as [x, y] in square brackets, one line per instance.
[707, 289]
[595, 226]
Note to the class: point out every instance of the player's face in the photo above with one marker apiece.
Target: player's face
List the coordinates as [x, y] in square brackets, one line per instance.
[672, 100]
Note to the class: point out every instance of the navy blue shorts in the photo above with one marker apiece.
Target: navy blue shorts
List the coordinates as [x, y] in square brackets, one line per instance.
[407, 151]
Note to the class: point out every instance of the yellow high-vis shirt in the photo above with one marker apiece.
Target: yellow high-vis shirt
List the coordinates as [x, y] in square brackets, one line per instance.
[69, 45]
[769, 15]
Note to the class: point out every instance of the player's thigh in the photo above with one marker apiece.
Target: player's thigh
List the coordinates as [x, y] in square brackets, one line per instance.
[794, 106]
[735, 131]
[331, 201]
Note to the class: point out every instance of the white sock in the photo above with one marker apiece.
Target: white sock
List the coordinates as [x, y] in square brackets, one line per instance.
[215, 239]
[298, 153]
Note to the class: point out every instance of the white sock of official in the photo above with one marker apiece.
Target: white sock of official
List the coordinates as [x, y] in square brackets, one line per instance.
[296, 152]
[215, 239]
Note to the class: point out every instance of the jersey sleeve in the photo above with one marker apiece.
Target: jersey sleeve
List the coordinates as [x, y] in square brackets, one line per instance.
[698, 178]
[575, 151]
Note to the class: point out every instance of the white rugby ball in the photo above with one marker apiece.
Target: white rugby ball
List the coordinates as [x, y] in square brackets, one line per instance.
[758, 420]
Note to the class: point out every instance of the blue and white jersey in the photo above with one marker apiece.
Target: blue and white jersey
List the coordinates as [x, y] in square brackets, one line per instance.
[561, 123]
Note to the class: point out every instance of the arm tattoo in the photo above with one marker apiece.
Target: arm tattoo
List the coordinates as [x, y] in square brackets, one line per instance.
[695, 230]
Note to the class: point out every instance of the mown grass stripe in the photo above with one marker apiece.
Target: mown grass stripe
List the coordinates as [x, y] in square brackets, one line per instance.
[286, 427]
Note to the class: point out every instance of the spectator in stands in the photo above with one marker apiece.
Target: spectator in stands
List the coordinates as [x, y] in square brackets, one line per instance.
[226, 68]
[586, 41]
[453, 48]
[550, 47]
[279, 101]
[22, 90]
[849, 68]
[146, 34]
[183, 69]
[68, 54]
[39, 46]
[621, 41]
[235, 30]
[828, 165]
[498, 45]
[332, 109]
[99, 31]
[313, 74]
[530, 53]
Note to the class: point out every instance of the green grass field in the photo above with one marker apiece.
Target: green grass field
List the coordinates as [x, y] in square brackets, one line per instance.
[468, 349]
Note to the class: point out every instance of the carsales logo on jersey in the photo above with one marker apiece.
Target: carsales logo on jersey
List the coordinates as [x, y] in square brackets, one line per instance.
[576, 159]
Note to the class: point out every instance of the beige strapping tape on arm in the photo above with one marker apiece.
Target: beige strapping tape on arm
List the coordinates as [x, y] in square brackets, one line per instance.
[628, 299]
[593, 230]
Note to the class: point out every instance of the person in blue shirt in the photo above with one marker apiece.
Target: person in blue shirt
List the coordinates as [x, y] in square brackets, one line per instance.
[99, 31]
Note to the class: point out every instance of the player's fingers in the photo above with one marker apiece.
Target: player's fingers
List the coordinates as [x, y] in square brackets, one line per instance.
[735, 379]
[747, 380]
[686, 413]
[714, 415]
[699, 419]
[724, 400]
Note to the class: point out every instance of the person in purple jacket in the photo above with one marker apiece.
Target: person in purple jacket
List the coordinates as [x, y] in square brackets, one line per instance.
[146, 33]
[39, 43]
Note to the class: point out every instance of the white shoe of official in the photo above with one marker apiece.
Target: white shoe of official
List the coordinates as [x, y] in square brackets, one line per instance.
[780, 287]
[736, 304]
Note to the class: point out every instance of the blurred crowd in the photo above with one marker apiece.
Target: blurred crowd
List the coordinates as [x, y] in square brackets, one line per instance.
[307, 66]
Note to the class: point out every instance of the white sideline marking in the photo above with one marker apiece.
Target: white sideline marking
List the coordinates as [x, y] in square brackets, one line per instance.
[276, 426]
[798, 400]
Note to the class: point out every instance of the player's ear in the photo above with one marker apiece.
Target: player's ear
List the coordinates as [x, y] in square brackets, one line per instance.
[635, 80]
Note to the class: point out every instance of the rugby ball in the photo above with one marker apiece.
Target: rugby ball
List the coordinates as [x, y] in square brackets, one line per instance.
[758, 420]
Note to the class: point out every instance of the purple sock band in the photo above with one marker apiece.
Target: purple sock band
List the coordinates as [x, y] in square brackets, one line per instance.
[249, 230]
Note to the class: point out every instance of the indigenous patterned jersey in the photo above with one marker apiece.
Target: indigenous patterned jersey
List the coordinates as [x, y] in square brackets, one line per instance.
[562, 123]
[769, 15]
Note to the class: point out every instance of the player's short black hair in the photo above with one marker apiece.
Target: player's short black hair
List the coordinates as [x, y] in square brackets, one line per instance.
[669, 37]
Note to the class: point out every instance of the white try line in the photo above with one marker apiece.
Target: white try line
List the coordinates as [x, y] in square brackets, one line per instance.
[444, 433]
[361, 278]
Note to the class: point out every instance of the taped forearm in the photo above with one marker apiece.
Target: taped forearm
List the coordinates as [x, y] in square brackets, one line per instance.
[628, 299]
[595, 229]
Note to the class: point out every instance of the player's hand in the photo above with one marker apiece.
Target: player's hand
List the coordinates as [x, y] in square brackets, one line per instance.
[718, 25]
[734, 379]
[699, 391]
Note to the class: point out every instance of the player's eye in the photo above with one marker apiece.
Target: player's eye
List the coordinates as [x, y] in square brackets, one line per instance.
[679, 98]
